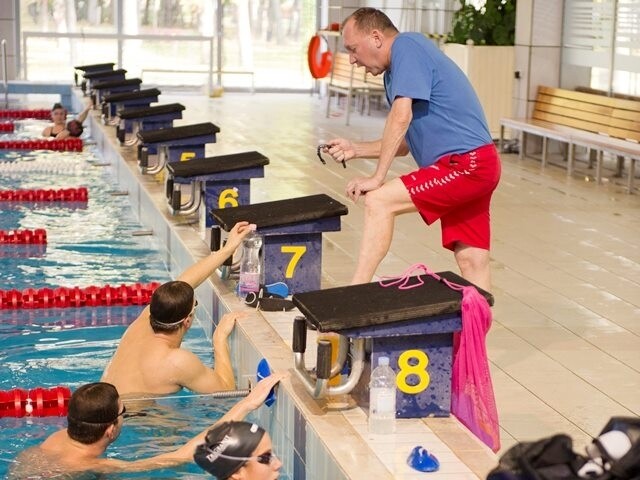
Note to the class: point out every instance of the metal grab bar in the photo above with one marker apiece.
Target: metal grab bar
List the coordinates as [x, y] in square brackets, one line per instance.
[5, 80]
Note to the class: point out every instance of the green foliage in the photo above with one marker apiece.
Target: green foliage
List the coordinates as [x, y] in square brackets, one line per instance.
[493, 24]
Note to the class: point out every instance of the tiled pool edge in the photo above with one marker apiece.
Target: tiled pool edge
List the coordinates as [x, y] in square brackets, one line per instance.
[183, 245]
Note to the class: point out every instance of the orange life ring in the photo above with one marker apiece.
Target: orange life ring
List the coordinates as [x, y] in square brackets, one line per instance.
[322, 68]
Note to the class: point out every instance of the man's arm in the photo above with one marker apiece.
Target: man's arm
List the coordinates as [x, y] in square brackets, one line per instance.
[393, 141]
[185, 453]
[200, 271]
[194, 375]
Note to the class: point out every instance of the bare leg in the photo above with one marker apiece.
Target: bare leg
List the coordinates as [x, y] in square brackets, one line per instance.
[380, 209]
[474, 265]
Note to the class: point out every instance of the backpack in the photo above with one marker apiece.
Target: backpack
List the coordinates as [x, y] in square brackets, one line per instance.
[553, 458]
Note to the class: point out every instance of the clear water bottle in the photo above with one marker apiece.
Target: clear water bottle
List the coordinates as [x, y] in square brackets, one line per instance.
[250, 265]
[382, 398]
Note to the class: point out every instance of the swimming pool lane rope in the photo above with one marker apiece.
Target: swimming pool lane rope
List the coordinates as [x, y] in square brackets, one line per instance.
[224, 394]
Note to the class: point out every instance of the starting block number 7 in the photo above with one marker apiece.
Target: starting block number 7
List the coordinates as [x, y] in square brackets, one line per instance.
[297, 252]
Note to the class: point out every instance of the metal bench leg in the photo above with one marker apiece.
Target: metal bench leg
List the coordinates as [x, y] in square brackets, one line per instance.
[523, 145]
[348, 107]
[632, 173]
[544, 151]
[570, 154]
[599, 167]
[328, 103]
[501, 141]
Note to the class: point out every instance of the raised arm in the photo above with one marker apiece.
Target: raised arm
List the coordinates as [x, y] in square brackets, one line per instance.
[201, 270]
[185, 453]
[82, 116]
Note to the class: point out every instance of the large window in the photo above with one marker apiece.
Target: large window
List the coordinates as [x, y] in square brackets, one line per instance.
[263, 42]
[601, 45]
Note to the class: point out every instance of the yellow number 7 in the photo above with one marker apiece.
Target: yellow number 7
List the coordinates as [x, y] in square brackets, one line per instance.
[297, 251]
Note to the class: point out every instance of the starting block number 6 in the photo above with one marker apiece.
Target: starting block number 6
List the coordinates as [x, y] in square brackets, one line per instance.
[228, 198]
[419, 370]
[298, 251]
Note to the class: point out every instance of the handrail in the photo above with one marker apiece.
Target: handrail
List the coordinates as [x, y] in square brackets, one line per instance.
[5, 80]
[116, 36]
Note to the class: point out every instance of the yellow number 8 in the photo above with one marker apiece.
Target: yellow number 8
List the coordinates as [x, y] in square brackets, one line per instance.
[419, 369]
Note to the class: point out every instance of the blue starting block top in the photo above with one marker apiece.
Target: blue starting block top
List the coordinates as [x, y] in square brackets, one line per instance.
[370, 310]
[158, 113]
[314, 213]
[95, 67]
[414, 328]
[104, 75]
[145, 96]
[237, 166]
[196, 134]
[126, 85]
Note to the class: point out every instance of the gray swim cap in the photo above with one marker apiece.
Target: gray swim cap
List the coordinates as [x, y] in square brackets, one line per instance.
[227, 447]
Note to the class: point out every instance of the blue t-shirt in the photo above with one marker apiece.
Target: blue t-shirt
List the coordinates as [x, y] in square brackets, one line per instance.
[447, 115]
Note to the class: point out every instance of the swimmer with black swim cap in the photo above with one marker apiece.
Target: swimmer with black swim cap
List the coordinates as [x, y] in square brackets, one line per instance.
[238, 451]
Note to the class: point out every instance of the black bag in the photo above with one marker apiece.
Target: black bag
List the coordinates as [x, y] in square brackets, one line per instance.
[553, 458]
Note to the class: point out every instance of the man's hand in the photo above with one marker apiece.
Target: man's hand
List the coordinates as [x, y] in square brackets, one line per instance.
[226, 325]
[237, 233]
[261, 391]
[340, 149]
[361, 185]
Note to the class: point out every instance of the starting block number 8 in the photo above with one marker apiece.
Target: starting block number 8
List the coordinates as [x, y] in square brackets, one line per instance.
[419, 369]
[297, 252]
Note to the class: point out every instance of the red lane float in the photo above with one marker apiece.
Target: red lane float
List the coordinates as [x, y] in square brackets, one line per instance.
[80, 194]
[6, 127]
[319, 64]
[37, 402]
[65, 297]
[63, 145]
[23, 237]
[41, 114]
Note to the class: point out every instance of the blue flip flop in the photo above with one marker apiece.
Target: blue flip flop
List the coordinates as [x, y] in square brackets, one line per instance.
[423, 461]
[263, 372]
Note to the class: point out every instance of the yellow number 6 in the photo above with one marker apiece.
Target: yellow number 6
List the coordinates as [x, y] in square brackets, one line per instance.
[228, 198]
[297, 251]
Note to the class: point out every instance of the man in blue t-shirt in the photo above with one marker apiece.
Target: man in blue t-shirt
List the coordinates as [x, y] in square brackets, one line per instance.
[436, 116]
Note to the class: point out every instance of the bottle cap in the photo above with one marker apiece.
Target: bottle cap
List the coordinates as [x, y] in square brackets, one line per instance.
[383, 361]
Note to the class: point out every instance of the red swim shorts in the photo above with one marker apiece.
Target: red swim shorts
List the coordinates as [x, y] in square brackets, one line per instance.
[457, 190]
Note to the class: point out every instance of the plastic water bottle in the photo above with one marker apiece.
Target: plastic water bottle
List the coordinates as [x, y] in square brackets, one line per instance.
[382, 398]
[250, 265]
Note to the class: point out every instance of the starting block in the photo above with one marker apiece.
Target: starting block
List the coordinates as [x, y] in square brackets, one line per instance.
[101, 76]
[174, 144]
[114, 101]
[103, 89]
[223, 181]
[93, 68]
[135, 119]
[292, 236]
[413, 327]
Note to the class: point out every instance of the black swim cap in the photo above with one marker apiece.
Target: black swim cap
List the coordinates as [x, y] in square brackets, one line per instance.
[57, 106]
[227, 447]
[171, 302]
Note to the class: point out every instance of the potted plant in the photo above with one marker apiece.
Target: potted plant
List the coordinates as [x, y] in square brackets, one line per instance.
[481, 43]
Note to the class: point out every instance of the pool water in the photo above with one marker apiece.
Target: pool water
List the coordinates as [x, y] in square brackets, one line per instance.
[94, 243]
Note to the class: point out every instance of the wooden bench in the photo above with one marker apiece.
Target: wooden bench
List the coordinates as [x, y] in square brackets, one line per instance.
[604, 124]
[351, 81]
